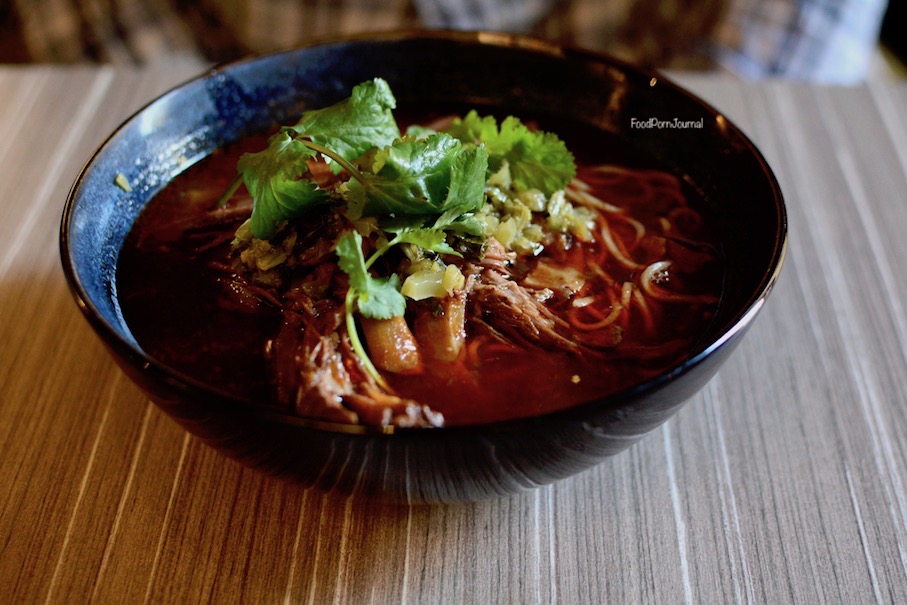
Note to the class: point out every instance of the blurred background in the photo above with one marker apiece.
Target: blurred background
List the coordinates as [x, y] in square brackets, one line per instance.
[826, 41]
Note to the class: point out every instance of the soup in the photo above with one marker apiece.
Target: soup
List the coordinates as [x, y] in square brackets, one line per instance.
[469, 271]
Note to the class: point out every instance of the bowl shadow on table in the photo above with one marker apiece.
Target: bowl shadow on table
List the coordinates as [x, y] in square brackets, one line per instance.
[456, 463]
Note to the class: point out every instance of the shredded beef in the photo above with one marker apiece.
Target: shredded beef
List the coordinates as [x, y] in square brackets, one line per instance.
[317, 373]
[512, 310]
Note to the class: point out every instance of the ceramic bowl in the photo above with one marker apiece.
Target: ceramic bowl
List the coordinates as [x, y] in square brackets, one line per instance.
[515, 74]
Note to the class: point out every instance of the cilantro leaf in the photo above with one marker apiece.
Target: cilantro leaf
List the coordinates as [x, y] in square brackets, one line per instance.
[272, 178]
[538, 160]
[425, 237]
[459, 220]
[417, 131]
[421, 177]
[383, 299]
[467, 181]
[376, 297]
[355, 125]
[474, 129]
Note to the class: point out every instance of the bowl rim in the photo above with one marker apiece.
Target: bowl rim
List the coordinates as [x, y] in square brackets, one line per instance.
[228, 404]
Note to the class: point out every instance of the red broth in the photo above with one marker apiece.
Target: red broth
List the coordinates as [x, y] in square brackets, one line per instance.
[175, 289]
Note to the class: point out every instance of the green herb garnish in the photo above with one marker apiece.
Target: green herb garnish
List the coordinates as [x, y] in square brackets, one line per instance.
[275, 176]
[272, 178]
[421, 177]
[537, 160]
[421, 187]
[376, 297]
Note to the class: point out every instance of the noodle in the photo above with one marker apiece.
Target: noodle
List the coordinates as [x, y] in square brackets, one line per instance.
[658, 272]
[629, 196]
[616, 248]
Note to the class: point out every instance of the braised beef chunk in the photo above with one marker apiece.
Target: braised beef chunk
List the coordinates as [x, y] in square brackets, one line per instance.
[513, 310]
[316, 374]
[440, 327]
[324, 381]
[377, 407]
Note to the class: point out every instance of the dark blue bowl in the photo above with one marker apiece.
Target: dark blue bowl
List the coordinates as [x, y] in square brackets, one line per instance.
[520, 75]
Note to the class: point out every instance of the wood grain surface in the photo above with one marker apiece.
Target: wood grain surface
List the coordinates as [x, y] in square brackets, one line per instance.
[783, 481]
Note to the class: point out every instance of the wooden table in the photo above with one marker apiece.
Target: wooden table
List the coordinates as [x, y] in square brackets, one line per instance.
[783, 481]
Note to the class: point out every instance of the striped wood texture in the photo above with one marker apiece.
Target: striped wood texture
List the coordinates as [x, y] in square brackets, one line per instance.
[783, 481]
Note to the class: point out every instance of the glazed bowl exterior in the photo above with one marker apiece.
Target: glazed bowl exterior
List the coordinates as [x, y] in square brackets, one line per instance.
[514, 74]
